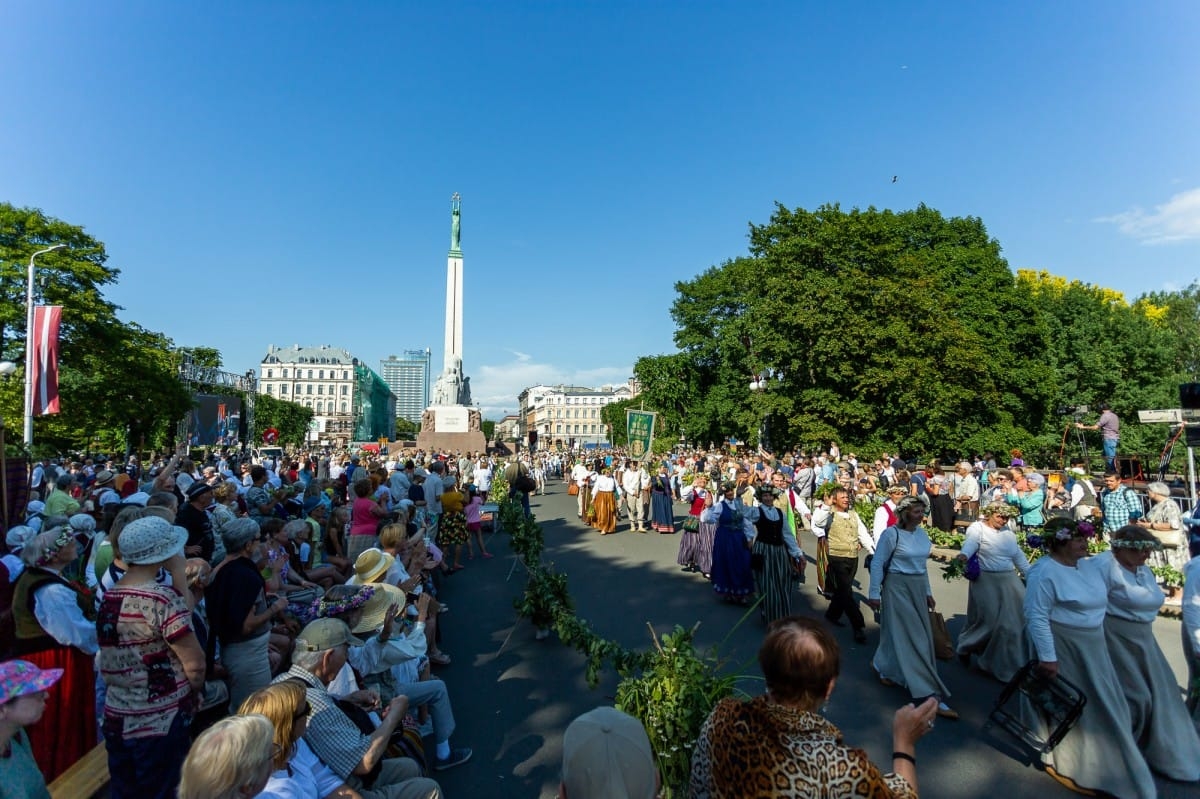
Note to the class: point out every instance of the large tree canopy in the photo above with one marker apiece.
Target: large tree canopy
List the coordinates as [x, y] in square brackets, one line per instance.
[114, 377]
[904, 330]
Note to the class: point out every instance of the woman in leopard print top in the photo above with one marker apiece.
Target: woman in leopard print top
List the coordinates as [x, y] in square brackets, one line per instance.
[749, 749]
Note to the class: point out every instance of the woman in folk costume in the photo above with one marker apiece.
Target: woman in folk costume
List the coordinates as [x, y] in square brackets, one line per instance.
[775, 556]
[731, 576]
[695, 546]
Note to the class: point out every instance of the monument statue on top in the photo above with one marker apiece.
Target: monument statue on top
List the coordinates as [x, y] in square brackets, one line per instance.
[450, 423]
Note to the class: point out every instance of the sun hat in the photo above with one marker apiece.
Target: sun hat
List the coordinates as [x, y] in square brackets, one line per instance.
[375, 608]
[325, 634]
[139, 498]
[150, 539]
[370, 565]
[103, 478]
[20, 677]
[607, 753]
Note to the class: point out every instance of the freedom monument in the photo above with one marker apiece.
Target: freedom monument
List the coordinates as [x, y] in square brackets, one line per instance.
[450, 423]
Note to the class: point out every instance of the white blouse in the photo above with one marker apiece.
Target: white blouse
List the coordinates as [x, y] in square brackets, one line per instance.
[1054, 592]
[1133, 596]
[901, 552]
[604, 483]
[997, 549]
[712, 515]
[1191, 603]
[789, 537]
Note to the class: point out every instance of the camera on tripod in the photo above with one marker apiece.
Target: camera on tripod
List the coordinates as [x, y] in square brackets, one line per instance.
[1077, 411]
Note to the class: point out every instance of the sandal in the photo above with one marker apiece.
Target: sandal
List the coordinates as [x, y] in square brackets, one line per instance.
[440, 658]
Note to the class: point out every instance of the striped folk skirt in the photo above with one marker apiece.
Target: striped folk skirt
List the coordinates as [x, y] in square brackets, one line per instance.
[773, 581]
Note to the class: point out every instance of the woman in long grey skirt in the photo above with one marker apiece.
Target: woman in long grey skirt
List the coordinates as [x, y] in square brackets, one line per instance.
[900, 585]
[1161, 725]
[995, 630]
[1064, 617]
[1191, 630]
[775, 556]
[695, 547]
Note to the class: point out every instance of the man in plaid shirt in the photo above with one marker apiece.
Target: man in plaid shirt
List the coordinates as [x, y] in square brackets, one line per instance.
[1119, 504]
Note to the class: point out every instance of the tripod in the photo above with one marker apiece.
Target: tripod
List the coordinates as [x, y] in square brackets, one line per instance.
[1080, 439]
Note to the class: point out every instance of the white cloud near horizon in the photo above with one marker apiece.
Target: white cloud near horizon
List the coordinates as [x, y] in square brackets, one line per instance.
[495, 387]
[1178, 219]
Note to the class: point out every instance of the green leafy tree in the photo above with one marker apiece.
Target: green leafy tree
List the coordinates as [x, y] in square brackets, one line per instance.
[892, 330]
[116, 380]
[289, 418]
[405, 428]
[489, 429]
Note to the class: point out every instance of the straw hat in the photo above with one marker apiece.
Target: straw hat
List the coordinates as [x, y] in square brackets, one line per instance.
[370, 566]
[376, 607]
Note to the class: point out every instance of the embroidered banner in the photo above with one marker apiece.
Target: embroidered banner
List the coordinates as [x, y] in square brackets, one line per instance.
[44, 379]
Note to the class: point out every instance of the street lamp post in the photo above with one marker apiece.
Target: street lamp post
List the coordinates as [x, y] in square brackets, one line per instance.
[28, 431]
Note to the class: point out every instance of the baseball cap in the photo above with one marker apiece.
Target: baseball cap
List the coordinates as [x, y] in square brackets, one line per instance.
[197, 488]
[325, 634]
[606, 753]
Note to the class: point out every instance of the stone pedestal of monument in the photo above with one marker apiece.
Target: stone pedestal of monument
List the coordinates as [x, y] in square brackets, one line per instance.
[451, 428]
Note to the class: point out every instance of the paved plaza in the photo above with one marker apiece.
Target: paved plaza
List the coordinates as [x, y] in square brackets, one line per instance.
[514, 696]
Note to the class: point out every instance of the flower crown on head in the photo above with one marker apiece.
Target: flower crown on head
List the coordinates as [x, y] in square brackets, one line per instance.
[65, 536]
[337, 607]
[1061, 530]
[1125, 543]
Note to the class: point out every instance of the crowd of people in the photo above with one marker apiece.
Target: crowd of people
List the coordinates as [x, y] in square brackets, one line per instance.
[228, 628]
[742, 528]
[158, 602]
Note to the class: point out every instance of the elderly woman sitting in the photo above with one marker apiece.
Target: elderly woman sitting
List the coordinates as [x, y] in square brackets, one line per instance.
[781, 739]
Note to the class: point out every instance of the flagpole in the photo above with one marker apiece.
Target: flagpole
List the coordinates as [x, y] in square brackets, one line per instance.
[29, 354]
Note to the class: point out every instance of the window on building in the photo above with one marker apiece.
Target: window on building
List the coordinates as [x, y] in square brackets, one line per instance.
[320, 374]
[321, 389]
[270, 373]
[308, 389]
[576, 428]
[558, 428]
[283, 388]
[594, 413]
[345, 375]
[345, 391]
[593, 429]
[343, 407]
[308, 403]
[285, 371]
[270, 388]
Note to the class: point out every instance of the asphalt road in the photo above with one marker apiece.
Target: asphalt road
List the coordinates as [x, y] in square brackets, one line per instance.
[513, 696]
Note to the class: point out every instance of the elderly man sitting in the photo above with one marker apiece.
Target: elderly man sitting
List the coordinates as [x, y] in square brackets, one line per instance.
[357, 757]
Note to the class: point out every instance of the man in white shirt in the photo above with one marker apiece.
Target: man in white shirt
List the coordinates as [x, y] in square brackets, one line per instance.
[634, 480]
[885, 514]
[846, 535]
[581, 475]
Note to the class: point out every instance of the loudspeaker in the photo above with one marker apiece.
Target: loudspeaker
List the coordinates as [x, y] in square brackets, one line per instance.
[1192, 435]
[1189, 395]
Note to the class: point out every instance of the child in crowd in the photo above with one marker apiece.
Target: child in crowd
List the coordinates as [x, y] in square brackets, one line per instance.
[473, 511]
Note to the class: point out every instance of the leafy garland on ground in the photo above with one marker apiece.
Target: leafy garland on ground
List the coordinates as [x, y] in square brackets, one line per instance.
[671, 689]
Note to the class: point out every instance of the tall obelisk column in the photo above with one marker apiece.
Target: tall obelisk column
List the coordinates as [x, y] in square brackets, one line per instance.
[452, 358]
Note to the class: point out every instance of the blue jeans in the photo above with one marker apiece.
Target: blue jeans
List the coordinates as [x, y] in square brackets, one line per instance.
[147, 768]
[1110, 453]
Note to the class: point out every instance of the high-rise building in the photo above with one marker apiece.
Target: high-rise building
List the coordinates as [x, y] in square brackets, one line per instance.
[408, 378]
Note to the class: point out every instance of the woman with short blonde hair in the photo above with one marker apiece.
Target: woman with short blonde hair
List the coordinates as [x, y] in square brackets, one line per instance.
[230, 760]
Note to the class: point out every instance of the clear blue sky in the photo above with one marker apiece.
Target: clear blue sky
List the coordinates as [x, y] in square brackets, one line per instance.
[279, 172]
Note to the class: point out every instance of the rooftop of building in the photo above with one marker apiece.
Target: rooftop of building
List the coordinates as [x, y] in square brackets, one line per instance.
[323, 354]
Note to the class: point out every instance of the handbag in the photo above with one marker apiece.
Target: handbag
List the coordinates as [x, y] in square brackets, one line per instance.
[525, 484]
[973, 569]
[691, 524]
[573, 490]
[943, 647]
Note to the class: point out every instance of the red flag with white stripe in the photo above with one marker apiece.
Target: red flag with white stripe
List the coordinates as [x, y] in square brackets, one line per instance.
[46, 319]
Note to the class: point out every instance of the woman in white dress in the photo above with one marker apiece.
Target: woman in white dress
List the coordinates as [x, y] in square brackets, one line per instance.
[1160, 719]
[1064, 617]
[900, 585]
[995, 631]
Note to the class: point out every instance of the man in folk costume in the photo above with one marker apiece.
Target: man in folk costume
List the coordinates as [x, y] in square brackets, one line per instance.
[885, 514]
[635, 480]
[845, 535]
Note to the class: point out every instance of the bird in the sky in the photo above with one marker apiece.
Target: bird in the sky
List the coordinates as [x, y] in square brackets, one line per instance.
[895, 178]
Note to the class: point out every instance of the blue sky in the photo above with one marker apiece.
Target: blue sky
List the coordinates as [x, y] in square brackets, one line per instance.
[279, 172]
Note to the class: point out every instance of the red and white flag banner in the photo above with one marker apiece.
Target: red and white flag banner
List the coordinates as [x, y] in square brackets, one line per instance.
[46, 319]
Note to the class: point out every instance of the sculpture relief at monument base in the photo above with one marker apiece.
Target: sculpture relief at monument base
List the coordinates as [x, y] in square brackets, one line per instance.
[451, 428]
